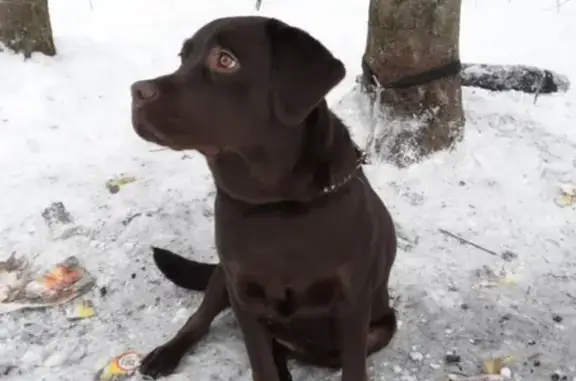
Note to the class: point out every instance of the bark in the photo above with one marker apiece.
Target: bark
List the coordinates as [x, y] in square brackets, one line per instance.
[409, 37]
[25, 27]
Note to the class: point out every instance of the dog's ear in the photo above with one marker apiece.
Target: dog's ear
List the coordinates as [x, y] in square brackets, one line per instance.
[303, 71]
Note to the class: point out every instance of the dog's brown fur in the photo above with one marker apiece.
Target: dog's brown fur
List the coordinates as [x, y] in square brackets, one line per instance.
[305, 244]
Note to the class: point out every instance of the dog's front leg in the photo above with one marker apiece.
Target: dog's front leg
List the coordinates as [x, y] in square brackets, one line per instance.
[258, 343]
[163, 360]
[353, 327]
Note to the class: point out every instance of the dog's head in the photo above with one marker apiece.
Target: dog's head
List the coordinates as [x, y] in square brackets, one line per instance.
[239, 79]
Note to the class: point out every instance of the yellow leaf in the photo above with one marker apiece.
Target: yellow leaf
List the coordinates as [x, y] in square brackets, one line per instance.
[493, 366]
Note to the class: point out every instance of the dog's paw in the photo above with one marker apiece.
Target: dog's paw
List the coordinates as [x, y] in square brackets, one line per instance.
[161, 362]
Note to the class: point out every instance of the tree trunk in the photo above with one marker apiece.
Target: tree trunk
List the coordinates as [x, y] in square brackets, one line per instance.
[406, 38]
[25, 27]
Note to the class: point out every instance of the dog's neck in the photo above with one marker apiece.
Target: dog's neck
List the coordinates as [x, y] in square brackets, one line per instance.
[303, 164]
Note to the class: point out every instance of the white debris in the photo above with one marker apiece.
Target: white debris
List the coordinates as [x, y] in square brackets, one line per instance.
[506, 372]
[416, 356]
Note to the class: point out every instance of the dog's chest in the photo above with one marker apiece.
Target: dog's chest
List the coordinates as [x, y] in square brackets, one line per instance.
[318, 240]
[291, 263]
[272, 296]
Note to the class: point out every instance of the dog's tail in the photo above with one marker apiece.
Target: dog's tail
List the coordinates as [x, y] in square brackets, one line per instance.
[181, 271]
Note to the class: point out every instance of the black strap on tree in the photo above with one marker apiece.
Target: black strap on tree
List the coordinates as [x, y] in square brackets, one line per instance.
[419, 79]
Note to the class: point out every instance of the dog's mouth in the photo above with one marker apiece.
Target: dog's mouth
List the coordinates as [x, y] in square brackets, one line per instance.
[147, 131]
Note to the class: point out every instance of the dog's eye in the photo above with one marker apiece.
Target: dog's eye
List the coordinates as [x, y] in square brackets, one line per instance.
[223, 61]
[226, 61]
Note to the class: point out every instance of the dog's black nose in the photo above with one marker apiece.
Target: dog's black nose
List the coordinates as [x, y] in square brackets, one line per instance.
[143, 91]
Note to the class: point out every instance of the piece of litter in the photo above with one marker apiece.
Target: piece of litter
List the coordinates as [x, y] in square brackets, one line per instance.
[81, 309]
[114, 185]
[567, 196]
[62, 283]
[121, 367]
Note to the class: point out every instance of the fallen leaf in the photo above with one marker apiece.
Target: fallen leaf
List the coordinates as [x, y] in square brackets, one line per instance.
[493, 366]
[114, 185]
[567, 196]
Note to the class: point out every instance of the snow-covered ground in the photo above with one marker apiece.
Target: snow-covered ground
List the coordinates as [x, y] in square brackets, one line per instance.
[65, 130]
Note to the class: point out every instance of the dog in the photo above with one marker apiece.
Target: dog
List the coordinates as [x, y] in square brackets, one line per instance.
[305, 245]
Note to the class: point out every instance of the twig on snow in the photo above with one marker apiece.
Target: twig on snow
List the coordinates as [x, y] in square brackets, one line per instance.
[559, 4]
[481, 377]
[462, 240]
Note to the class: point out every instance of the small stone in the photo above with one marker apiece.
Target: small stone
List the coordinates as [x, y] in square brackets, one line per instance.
[509, 255]
[537, 363]
[555, 377]
[557, 318]
[103, 291]
[56, 213]
[464, 306]
[416, 356]
[452, 359]
[113, 188]
[532, 342]
[133, 276]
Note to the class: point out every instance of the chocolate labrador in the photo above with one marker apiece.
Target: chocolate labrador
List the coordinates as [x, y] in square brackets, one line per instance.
[305, 244]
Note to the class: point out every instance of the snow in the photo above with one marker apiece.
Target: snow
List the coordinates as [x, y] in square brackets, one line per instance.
[65, 131]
